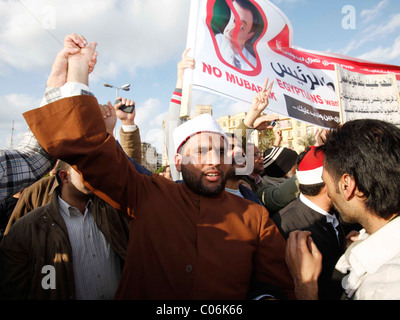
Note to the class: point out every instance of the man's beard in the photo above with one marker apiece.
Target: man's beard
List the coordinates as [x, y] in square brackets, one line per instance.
[196, 185]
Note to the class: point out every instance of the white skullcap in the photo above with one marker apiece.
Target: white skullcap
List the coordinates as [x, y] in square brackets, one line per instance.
[201, 123]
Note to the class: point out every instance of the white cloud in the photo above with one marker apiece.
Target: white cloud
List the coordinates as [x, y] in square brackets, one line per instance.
[129, 33]
[149, 118]
[373, 33]
[12, 108]
[146, 111]
[370, 14]
[384, 54]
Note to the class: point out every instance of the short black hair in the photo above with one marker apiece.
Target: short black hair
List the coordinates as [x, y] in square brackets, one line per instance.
[311, 190]
[369, 151]
[257, 20]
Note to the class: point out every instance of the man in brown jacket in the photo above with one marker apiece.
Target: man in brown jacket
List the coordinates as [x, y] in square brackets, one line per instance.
[51, 252]
[187, 241]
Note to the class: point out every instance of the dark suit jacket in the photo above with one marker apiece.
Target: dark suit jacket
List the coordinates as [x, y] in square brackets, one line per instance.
[298, 216]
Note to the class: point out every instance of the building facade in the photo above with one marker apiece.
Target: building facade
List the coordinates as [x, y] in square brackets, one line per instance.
[151, 160]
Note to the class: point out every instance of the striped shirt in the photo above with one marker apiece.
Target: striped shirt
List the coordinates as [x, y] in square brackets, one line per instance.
[97, 268]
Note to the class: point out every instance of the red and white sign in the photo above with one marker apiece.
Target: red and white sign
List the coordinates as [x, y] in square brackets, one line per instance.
[238, 43]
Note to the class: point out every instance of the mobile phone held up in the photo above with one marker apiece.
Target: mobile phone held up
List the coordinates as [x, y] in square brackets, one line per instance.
[124, 108]
[273, 123]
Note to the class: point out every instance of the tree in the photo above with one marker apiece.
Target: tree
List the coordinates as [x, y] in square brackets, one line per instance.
[307, 140]
[266, 139]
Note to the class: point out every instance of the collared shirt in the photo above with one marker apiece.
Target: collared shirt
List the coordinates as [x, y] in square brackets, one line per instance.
[373, 263]
[330, 218]
[234, 191]
[97, 268]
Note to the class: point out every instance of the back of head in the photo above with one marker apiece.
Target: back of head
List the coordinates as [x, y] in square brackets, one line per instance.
[369, 151]
[309, 171]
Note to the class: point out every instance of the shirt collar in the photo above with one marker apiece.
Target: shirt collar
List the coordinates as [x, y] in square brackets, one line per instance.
[66, 208]
[329, 217]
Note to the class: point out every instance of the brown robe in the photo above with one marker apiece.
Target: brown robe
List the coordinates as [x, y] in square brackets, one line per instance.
[181, 245]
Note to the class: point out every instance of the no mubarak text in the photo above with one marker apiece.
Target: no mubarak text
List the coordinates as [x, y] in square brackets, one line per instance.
[234, 79]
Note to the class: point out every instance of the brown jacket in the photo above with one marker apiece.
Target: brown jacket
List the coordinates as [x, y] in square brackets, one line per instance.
[181, 245]
[32, 197]
[40, 238]
[132, 144]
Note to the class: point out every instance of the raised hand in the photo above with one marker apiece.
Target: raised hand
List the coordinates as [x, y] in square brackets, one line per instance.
[109, 116]
[264, 122]
[259, 103]
[185, 63]
[126, 118]
[73, 43]
[81, 63]
[278, 137]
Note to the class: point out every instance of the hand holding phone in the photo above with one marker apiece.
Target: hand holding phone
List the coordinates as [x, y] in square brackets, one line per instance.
[124, 108]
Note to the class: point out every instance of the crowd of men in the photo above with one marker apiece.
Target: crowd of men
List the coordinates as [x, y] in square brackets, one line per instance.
[226, 221]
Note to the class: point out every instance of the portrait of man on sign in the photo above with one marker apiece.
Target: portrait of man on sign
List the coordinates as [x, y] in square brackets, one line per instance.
[235, 27]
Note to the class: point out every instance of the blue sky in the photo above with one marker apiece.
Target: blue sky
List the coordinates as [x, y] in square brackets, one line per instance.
[141, 41]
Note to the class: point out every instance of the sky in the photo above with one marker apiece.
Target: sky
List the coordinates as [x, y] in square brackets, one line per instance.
[140, 42]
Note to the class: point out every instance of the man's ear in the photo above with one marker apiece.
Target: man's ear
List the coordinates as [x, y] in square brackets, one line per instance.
[63, 175]
[348, 187]
[178, 162]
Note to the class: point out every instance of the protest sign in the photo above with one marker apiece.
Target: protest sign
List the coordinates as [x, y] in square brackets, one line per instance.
[368, 96]
[238, 43]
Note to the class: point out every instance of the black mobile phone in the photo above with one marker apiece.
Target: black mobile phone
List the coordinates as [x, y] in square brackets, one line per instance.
[273, 123]
[124, 108]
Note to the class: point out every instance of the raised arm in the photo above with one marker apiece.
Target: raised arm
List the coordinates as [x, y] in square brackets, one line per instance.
[129, 133]
[28, 162]
[72, 129]
[252, 119]
[79, 64]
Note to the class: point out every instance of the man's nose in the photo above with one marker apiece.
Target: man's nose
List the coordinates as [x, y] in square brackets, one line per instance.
[229, 29]
[212, 157]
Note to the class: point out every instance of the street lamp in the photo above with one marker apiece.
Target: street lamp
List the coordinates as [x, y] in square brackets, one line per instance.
[125, 87]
